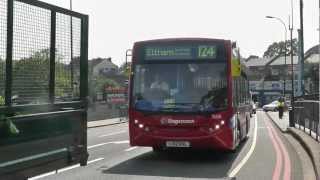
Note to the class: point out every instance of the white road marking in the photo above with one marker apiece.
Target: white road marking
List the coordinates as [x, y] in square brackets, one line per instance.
[113, 142]
[130, 149]
[248, 155]
[63, 169]
[68, 168]
[78, 165]
[98, 145]
[121, 142]
[95, 160]
[111, 134]
[43, 175]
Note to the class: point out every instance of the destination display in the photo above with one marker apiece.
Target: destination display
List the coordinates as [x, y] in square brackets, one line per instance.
[180, 52]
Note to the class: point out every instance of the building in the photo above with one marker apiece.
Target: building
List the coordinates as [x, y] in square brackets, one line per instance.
[311, 70]
[270, 78]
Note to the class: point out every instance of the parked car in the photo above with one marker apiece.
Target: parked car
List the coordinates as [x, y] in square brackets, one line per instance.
[273, 106]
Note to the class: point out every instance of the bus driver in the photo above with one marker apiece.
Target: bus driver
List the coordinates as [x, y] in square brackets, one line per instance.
[159, 83]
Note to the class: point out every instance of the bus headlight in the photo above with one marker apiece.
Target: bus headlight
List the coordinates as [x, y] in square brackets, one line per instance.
[141, 126]
[217, 127]
[222, 122]
[136, 121]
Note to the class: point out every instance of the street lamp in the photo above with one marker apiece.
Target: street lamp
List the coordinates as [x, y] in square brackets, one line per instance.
[127, 55]
[285, 53]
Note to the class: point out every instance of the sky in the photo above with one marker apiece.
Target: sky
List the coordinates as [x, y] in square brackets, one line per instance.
[114, 25]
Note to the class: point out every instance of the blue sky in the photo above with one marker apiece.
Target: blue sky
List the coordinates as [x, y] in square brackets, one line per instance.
[116, 24]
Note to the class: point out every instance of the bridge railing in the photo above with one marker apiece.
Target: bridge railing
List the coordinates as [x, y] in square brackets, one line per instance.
[306, 117]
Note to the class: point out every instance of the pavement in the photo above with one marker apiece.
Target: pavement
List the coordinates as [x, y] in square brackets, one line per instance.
[265, 154]
[310, 145]
[283, 123]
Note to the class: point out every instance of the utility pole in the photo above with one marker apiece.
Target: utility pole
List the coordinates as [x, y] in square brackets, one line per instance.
[300, 70]
[291, 112]
[319, 43]
[302, 46]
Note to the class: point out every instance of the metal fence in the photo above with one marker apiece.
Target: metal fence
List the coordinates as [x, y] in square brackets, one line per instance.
[39, 53]
[43, 88]
[306, 117]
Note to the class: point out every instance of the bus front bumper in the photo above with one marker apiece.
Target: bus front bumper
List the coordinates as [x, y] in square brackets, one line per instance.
[222, 139]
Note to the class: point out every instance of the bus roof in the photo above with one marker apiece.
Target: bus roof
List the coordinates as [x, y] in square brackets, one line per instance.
[168, 40]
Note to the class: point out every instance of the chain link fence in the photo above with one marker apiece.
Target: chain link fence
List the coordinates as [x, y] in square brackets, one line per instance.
[33, 74]
[43, 88]
[3, 42]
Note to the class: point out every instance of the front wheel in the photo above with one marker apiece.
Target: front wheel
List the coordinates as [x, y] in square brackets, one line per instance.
[157, 149]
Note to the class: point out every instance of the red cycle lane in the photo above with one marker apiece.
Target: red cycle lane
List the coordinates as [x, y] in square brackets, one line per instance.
[281, 153]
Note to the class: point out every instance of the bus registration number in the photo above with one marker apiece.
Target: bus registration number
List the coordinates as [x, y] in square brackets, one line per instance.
[178, 144]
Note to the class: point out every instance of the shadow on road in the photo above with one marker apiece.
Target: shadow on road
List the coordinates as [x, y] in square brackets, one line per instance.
[179, 163]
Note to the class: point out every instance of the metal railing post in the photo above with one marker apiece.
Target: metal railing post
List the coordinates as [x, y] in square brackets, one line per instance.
[52, 58]
[9, 52]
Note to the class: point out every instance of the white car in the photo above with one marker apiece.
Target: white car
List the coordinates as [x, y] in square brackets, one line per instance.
[273, 106]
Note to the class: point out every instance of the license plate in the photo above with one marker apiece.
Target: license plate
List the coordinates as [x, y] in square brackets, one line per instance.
[178, 144]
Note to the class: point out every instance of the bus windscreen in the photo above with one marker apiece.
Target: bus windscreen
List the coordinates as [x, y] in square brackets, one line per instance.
[180, 87]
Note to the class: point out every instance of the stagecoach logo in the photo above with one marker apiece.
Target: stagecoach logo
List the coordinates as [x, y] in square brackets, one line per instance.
[170, 121]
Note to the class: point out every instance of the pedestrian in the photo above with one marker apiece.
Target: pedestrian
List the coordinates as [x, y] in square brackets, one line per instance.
[281, 107]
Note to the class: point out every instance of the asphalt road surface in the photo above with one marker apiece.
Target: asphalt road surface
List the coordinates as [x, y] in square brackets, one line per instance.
[265, 155]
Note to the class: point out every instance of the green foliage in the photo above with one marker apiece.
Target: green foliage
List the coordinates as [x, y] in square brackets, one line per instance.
[2, 101]
[278, 48]
[31, 76]
[102, 82]
[125, 69]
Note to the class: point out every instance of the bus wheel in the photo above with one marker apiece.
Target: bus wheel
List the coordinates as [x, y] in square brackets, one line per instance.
[157, 149]
[237, 139]
[247, 129]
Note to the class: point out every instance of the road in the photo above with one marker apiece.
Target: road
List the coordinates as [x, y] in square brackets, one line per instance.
[266, 154]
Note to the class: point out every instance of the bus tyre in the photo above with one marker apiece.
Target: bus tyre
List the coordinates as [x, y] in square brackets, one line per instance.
[157, 149]
[247, 129]
[237, 138]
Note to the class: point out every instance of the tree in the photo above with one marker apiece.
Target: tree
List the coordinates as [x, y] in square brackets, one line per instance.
[102, 82]
[125, 68]
[31, 77]
[278, 48]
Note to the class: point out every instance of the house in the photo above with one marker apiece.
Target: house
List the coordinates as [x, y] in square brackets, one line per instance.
[103, 66]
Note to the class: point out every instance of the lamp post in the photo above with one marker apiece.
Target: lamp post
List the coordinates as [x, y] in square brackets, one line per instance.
[285, 53]
[127, 55]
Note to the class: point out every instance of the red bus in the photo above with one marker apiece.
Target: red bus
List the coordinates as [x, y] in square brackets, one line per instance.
[183, 93]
